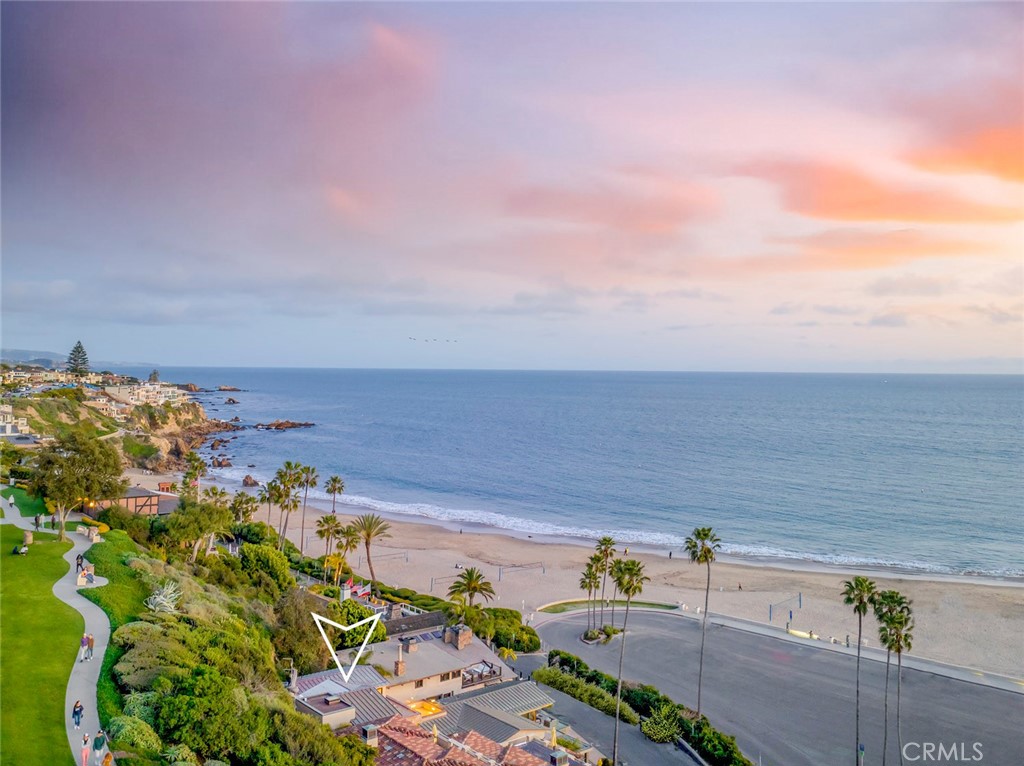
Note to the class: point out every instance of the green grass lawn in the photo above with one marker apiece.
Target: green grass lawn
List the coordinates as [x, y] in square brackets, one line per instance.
[40, 639]
[573, 606]
[29, 506]
[122, 599]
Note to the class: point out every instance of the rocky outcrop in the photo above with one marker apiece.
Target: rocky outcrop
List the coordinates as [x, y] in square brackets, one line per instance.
[192, 388]
[235, 419]
[281, 425]
[228, 388]
[230, 400]
[249, 481]
[220, 462]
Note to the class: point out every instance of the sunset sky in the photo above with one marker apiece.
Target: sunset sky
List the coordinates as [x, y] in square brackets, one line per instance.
[784, 187]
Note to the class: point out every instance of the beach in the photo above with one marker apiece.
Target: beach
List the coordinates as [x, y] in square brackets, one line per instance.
[977, 624]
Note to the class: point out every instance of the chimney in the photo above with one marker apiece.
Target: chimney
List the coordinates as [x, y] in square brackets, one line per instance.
[370, 735]
[559, 758]
[463, 637]
[399, 663]
[293, 679]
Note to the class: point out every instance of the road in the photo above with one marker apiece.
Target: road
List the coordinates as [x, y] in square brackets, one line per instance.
[790, 703]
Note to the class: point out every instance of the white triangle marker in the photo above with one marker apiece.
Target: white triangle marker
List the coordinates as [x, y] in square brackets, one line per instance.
[372, 620]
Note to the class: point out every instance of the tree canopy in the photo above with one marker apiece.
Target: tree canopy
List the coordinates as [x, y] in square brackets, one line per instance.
[78, 360]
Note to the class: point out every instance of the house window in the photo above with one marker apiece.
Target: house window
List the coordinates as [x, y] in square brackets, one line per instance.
[446, 676]
[419, 684]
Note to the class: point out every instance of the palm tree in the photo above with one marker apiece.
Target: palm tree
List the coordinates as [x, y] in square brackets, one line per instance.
[348, 540]
[606, 550]
[289, 503]
[334, 487]
[327, 528]
[334, 561]
[195, 470]
[270, 493]
[507, 654]
[859, 593]
[216, 496]
[588, 582]
[371, 527]
[308, 477]
[287, 478]
[616, 572]
[470, 584]
[901, 637]
[631, 583]
[890, 607]
[243, 506]
[701, 546]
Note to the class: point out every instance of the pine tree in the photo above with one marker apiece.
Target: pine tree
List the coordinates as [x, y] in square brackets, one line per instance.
[154, 377]
[78, 360]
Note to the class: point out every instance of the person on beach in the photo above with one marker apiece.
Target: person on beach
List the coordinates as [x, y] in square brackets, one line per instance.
[99, 742]
[85, 750]
[76, 714]
[79, 563]
[84, 646]
[91, 647]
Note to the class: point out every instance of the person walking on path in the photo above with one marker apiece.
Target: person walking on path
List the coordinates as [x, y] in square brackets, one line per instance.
[84, 644]
[99, 742]
[90, 648]
[85, 750]
[79, 563]
[37, 522]
[76, 713]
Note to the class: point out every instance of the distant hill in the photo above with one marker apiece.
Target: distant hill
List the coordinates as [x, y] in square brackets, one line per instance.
[52, 359]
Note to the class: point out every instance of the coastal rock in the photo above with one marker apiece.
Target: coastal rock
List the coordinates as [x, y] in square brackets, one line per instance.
[281, 425]
[235, 419]
[230, 400]
[220, 462]
[228, 388]
[249, 481]
[216, 444]
[190, 387]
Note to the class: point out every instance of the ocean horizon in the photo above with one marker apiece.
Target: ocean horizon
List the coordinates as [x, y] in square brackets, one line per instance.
[923, 473]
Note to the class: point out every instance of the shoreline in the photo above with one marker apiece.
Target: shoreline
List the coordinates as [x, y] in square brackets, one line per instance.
[961, 620]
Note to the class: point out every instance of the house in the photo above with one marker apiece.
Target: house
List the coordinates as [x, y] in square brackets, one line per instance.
[10, 425]
[144, 502]
[400, 743]
[500, 705]
[338, 703]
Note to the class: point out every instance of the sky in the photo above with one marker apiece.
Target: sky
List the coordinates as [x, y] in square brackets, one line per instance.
[774, 187]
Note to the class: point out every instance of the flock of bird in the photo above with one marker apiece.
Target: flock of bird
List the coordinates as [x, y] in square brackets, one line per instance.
[434, 340]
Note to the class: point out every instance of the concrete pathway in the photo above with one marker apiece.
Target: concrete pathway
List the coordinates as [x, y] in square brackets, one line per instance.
[83, 675]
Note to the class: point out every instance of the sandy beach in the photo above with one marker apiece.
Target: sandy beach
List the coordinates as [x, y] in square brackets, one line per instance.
[978, 624]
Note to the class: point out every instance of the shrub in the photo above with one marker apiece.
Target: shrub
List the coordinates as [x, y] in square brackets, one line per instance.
[266, 560]
[140, 705]
[255, 532]
[136, 526]
[663, 725]
[595, 696]
[134, 733]
[100, 526]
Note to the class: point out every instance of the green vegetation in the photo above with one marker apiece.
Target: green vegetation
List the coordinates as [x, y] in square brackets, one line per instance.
[40, 640]
[28, 505]
[471, 583]
[137, 449]
[56, 413]
[123, 599]
[78, 360]
[716, 748]
[596, 697]
[575, 606]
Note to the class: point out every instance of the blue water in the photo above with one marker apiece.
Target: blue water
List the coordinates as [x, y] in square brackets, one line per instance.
[924, 472]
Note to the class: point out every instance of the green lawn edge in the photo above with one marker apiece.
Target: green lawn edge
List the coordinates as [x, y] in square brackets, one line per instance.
[40, 637]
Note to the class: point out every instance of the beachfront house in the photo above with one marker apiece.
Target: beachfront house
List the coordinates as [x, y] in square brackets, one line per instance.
[144, 502]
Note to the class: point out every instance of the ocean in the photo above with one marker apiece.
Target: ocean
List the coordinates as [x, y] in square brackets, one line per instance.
[924, 473]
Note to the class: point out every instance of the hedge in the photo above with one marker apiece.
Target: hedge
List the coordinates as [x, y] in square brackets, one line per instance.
[596, 697]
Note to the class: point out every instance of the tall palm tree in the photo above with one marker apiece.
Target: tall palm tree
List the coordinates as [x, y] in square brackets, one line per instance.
[901, 636]
[588, 582]
[216, 496]
[335, 562]
[334, 487]
[287, 478]
[348, 540]
[470, 584]
[327, 528]
[243, 506]
[195, 470]
[890, 606]
[371, 527]
[289, 503]
[269, 493]
[308, 477]
[606, 550]
[701, 546]
[631, 583]
[616, 572]
[859, 593]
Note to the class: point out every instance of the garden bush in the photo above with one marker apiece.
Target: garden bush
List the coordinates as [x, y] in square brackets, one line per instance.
[595, 696]
[134, 733]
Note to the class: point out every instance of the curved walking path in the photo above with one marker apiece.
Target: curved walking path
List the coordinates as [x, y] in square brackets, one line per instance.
[84, 675]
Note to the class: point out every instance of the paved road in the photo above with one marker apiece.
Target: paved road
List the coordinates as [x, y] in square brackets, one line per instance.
[791, 704]
[599, 729]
